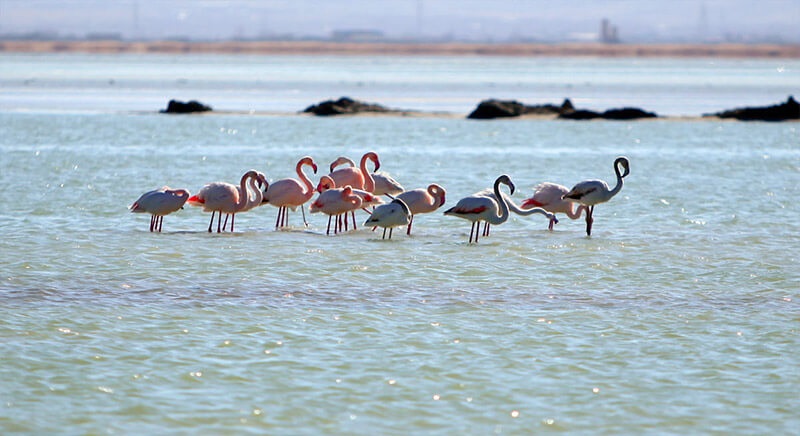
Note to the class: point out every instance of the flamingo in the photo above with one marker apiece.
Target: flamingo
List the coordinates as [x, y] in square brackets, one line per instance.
[158, 203]
[394, 214]
[480, 207]
[591, 192]
[422, 201]
[335, 202]
[290, 193]
[549, 196]
[357, 178]
[229, 198]
[367, 198]
[384, 183]
[512, 207]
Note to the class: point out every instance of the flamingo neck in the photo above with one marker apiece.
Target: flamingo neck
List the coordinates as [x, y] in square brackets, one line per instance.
[306, 181]
[575, 212]
[503, 217]
[249, 202]
[369, 182]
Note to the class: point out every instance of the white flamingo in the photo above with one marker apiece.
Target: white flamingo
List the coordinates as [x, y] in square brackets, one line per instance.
[219, 197]
[422, 201]
[158, 203]
[480, 207]
[394, 214]
[592, 192]
[549, 196]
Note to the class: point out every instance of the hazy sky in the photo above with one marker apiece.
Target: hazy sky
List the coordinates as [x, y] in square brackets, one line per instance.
[498, 20]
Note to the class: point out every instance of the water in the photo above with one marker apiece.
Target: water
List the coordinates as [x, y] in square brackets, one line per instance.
[678, 315]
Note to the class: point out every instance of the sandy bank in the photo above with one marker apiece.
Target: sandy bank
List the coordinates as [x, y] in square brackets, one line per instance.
[408, 49]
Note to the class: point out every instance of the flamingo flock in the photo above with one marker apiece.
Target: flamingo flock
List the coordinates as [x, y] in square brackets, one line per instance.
[347, 188]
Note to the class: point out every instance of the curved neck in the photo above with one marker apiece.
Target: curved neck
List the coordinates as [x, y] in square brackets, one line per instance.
[369, 182]
[575, 212]
[501, 201]
[245, 202]
[438, 195]
[342, 160]
[617, 188]
[304, 179]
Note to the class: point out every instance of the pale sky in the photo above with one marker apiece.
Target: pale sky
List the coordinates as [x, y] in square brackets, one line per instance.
[496, 20]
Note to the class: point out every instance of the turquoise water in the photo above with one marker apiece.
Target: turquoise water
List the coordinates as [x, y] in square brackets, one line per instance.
[678, 315]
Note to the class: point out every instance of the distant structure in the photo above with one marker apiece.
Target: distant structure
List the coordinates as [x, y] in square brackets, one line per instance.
[608, 32]
[357, 35]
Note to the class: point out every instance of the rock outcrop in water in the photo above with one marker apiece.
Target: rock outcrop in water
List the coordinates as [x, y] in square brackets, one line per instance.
[492, 108]
[626, 113]
[790, 110]
[345, 105]
[179, 107]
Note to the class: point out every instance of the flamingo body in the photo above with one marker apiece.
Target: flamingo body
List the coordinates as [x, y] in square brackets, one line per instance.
[482, 207]
[158, 203]
[291, 193]
[592, 192]
[423, 201]
[219, 197]
[335, 202]
[389, 216]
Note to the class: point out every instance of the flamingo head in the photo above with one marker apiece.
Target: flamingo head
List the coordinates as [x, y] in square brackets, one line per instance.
[626, 165]
[374, 158]
[325, 183]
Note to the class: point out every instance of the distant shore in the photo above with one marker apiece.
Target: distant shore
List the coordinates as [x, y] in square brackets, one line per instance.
[791, 51]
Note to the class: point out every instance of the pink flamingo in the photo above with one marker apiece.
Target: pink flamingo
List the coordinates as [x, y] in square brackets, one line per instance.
[481, 207]
[384, 183]
[549, 196]
[291, 193]
[357, 178]
[592, 192]
[229, 198]
[158, 203]
[367, 198]
[335, 202]
[423, 201]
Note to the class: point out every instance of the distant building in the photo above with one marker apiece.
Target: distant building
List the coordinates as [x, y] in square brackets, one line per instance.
[608, 32]
[357, 35]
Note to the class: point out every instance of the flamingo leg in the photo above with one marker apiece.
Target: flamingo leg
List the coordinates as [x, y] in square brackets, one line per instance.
[225, 224]
[486, 229]
[408, 231]
[552, 222]
[152, 217]
[233, 218]
[303, 210]
[353, 213]
[589, 220]
[390, 232]
[219, 221]
[278, 218]
[160, 220]
[471, 231]
[212, 221]
[328, 232]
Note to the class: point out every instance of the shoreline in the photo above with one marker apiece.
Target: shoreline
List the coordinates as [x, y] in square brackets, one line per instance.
[720, 50]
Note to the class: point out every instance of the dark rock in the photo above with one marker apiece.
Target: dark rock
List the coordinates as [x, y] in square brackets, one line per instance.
[490, 109]
[344, 105]
[627, 113]
[179, 107]
[580, 114]
[790, 110]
